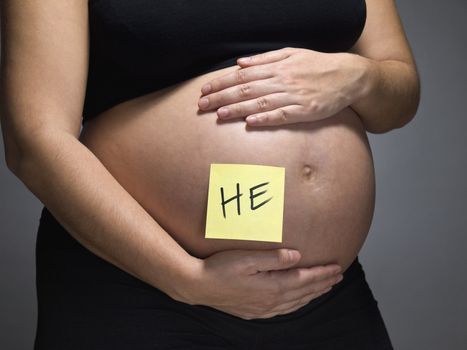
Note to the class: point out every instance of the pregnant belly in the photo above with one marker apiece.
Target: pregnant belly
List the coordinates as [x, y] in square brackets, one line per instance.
[160, 147]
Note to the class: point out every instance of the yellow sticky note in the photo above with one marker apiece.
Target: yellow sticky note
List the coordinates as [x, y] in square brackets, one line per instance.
[245, 201]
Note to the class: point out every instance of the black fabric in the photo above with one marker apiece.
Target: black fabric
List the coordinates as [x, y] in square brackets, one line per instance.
[139, 46]
[87, 303]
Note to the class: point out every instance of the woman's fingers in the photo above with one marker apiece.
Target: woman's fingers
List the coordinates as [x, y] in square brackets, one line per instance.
[236, 94]
[289, 114]
[256, 261]
[239, 76]
[300, 277]
[290, 306]
[312, 289]
[294, 299]
[298, 286]
[259, 105]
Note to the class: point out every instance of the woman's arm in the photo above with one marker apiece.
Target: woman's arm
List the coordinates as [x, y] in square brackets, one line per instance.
[390, 92]
[43, 80]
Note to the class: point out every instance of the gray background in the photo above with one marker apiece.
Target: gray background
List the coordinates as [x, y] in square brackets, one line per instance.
[415, 256]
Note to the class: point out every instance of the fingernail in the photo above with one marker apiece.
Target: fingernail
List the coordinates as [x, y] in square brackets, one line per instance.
[339, 278]
[223, 112]
[252, 120]
[204, 102]
[337, 269]
[206, 89]
[245, 59]
[292, 254]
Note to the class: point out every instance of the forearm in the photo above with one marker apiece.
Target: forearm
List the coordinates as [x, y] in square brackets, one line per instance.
[89, 202]
[388, 94]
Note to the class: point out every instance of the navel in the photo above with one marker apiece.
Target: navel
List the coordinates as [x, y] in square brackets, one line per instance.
[308, 172]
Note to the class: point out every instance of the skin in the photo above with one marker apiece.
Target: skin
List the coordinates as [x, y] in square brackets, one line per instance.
[378, 79]
[45, 62]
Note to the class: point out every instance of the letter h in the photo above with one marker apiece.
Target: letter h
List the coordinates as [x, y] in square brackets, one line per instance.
[224, 202]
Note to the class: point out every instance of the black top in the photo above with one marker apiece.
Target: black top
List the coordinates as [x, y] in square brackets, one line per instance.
[139, 46]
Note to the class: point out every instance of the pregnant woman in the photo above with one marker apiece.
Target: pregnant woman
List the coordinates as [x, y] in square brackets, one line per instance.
[112, 112]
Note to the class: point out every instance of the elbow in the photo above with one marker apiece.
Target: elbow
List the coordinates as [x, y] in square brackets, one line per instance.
[378, 129]
[12, 161]
[12, 150]
[413, 100]
[22, 147]
[389, 124]
[11, 154]
[16, 154]
[402, 117]
[410, 113]
[25, 156]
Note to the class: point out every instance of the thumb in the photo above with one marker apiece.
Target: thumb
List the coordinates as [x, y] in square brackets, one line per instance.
[274, 259]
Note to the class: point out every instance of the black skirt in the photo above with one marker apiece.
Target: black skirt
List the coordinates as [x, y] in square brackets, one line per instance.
[84, 302]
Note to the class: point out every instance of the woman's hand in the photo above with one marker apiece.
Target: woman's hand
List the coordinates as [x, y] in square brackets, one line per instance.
[260, 283]
[285, 86]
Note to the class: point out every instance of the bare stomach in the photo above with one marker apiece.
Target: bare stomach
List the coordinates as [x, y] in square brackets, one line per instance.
[160, 147]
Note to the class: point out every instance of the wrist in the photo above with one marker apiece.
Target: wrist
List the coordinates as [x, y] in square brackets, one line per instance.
[365, 75]
[188, 281]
